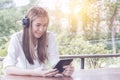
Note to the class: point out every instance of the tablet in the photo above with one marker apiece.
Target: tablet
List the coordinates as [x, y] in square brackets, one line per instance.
[61, 63]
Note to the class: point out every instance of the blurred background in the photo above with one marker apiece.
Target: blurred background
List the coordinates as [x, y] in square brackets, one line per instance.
[80, 26]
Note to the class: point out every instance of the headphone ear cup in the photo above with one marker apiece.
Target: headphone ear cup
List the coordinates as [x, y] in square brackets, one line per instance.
[26, 22]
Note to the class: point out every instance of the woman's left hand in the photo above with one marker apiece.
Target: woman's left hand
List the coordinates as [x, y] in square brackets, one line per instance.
[69, 69]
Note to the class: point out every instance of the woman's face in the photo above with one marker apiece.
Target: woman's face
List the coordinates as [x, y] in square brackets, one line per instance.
[39, 26]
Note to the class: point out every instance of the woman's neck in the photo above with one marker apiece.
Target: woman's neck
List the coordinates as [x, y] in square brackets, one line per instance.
[35, 41]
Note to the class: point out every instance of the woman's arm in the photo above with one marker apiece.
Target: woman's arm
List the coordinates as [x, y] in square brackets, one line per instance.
[52, 49]
[11, 70]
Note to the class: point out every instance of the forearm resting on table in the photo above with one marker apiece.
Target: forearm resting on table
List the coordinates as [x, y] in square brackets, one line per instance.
[11, 70]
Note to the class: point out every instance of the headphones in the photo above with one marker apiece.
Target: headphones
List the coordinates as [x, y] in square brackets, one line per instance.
[26, 22]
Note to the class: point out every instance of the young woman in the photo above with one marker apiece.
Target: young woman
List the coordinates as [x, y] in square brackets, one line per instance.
[32, 48]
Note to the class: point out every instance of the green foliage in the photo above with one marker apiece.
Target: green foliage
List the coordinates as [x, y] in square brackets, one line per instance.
[110, 7]
[3, 48]
[75, 44]
[9, 21]
[3, 52]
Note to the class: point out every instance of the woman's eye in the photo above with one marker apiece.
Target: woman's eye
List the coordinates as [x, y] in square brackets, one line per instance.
[44, 25]
[37, 25]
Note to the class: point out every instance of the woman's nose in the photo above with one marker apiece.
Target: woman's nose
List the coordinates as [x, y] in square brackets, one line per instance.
[41, 28]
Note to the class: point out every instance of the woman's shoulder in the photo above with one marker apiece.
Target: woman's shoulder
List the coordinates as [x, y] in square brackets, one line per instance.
[51, 37]
[50, 34]
[18, 35]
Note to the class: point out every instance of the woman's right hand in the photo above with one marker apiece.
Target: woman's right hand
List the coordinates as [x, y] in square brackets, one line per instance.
[44, 73]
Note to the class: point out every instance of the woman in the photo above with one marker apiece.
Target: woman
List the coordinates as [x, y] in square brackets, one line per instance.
[31, 49]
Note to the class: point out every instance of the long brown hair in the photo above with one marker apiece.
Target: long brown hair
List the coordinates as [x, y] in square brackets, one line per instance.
[27, 40]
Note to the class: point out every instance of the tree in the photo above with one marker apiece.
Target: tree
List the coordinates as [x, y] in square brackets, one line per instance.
[112, 12]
